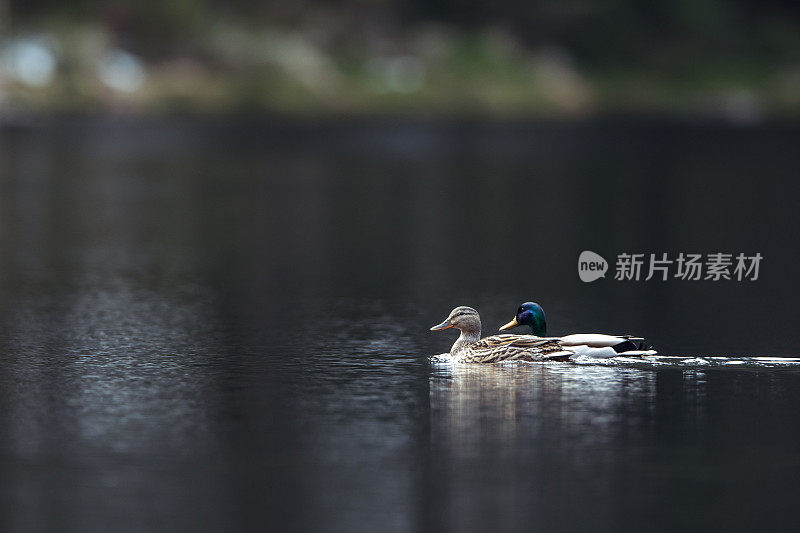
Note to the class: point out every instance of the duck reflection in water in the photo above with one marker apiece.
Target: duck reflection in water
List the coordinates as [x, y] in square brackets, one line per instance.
[515, 431]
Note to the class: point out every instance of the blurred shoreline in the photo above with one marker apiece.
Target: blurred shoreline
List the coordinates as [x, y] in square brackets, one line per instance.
[355, 64]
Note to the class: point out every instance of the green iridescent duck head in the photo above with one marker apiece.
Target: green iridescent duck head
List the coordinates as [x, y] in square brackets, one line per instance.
[530, 314]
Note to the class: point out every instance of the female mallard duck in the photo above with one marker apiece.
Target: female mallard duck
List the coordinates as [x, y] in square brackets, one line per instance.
[588, 344]
[470, 348]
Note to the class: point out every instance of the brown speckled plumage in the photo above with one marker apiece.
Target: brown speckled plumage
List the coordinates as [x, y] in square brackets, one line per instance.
[513, 348]
[470, 348]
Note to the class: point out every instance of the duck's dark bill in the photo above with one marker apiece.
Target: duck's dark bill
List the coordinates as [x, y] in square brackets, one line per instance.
[444, 325]
[510, 324]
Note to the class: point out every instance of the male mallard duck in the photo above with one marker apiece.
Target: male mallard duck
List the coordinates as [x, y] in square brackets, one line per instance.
[588, 344]
[470, 348]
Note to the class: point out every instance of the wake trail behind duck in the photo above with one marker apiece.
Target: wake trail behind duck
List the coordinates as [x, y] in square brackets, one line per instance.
[653, 361]
[677, 361]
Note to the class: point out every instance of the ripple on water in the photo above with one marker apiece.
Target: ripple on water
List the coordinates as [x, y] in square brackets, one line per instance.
[652, 361]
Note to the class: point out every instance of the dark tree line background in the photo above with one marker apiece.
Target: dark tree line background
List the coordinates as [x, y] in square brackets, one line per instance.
[608, 30]
[700, 43]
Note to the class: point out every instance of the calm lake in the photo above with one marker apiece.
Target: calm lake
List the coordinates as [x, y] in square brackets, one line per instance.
[221, 325]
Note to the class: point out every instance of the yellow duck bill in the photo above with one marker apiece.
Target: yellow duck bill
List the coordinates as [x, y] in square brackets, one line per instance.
[444, 325]
[510, 324]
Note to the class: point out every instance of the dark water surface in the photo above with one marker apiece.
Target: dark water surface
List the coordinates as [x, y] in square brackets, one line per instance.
[217, 326]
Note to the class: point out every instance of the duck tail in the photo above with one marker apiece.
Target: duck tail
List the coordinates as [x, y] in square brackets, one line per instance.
[627, 345]
[640, 343]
